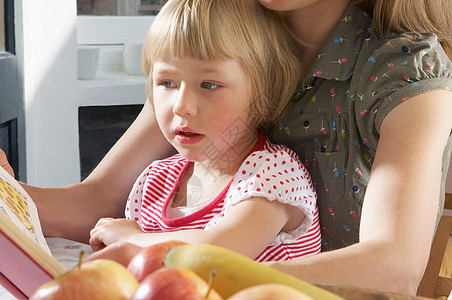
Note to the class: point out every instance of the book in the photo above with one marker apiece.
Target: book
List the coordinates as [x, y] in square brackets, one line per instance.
[26, 261]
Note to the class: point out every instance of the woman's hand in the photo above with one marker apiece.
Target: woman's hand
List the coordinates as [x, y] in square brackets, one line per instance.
[5, 164]
[109, 230]
[121, 252]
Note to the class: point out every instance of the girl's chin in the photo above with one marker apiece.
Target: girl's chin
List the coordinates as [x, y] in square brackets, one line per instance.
[190, 153]
[193, 157]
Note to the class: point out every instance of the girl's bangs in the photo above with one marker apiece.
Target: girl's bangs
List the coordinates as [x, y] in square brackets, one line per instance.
[192, 34]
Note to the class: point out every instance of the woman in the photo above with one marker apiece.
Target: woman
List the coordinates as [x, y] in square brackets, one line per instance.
[386, 95]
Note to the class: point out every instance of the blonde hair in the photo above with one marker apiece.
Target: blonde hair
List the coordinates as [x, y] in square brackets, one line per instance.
[258, 38]
[433, 16]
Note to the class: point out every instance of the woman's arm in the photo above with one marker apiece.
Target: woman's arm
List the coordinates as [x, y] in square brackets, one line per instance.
[400, 205]
[5, 164]
[247, 228]
[72, 211]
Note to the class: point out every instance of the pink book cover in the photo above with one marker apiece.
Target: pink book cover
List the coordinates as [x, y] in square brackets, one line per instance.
[25, 258]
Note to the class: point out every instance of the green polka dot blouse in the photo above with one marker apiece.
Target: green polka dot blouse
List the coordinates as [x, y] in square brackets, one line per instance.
[333, 121]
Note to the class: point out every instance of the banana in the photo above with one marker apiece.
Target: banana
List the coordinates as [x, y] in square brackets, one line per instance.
[233, 271]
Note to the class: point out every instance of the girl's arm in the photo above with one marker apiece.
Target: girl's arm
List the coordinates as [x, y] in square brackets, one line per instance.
[72, 211]
[247, 228]
[400, 205]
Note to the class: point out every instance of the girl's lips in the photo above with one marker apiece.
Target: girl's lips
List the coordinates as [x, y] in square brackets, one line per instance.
[189, 138]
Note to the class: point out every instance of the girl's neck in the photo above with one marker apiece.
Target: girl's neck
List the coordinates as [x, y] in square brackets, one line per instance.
[313, 25]
[226, 164]
[203, 181]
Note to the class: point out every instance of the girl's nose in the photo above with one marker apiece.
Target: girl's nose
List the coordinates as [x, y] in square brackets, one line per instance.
[186, 103]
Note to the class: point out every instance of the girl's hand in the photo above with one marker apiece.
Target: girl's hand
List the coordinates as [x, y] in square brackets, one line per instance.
[108, 231]
[5, 164]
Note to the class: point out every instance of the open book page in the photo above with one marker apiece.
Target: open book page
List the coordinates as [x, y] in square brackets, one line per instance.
[21, 210]
[67, 252]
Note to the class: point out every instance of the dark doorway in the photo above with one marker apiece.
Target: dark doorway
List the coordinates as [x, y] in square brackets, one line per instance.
[99, 129]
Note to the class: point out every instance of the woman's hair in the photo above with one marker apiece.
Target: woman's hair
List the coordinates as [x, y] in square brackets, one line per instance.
[434, 16]
[258, 38]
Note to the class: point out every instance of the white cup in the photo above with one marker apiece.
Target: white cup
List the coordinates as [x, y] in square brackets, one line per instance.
[88, 62]
[132, 59]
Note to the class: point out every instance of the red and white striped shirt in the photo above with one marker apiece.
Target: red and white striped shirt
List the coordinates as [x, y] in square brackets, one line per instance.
[271, 171]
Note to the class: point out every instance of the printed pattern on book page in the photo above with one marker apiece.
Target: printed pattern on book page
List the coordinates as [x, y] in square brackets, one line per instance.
[20, 209]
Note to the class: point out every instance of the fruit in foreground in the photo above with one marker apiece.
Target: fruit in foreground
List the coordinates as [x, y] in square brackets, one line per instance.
[174, 284]
[270, 291]
[235, 272]
[97, 279]
[150, 259]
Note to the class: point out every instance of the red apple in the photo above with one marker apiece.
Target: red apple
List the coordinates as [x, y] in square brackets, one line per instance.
[150, 259]
[174, 284]
[97, 279]
[270, 291]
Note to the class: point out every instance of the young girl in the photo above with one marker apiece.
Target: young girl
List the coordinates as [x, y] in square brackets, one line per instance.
[217, 71]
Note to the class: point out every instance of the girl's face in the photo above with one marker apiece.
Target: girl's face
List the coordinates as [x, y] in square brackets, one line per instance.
[202, 107]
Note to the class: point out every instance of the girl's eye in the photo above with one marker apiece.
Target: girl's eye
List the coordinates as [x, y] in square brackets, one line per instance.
[209, 85]
[167, 84]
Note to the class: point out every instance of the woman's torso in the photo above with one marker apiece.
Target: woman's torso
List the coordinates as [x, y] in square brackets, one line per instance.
[334, 119]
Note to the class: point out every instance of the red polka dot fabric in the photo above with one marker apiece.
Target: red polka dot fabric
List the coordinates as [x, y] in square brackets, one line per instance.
[278, 175]
[272, 171]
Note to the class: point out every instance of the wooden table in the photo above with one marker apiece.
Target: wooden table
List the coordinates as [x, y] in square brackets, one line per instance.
[350, 293]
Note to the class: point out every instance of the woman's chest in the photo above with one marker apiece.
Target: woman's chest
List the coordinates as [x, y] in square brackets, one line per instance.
[317, 120]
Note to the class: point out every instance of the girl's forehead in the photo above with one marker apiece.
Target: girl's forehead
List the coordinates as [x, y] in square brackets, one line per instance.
[175, 47]
[168, 62]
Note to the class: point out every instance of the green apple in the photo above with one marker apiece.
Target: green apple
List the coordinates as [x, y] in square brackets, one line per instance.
[97, 279]
[270, 291]
[174, 284]
[150, 259]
